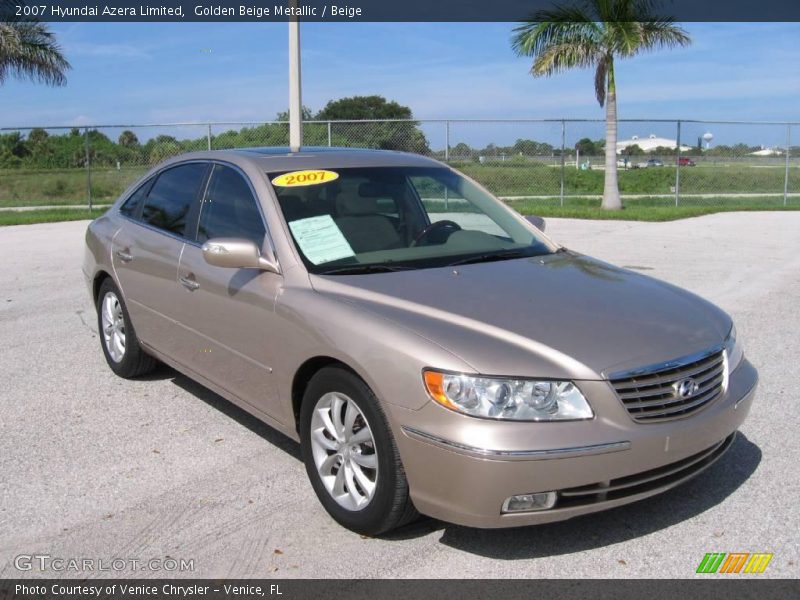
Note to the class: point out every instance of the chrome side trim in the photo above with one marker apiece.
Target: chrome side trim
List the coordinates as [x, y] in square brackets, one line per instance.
[516, 454]
[668, 364]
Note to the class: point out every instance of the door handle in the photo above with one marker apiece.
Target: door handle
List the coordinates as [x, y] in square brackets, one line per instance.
[189, 284]
[124, 256]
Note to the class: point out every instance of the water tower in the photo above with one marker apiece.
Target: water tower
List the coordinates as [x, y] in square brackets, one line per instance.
[707, 137]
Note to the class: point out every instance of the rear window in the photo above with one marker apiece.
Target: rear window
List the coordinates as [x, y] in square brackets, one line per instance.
[130, 207]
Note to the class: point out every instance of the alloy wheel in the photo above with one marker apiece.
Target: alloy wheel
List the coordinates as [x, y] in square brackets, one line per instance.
[344, 451]
[113, 323]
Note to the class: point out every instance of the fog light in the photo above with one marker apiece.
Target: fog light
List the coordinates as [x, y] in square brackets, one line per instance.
[529, 502]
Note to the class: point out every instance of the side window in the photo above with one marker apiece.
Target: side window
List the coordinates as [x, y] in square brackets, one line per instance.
[444, 203]
[131, 206]
[170, 199]
[230, 209]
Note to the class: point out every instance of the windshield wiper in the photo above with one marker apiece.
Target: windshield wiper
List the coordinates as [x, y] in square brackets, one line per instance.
[362, 269]
[490, 256]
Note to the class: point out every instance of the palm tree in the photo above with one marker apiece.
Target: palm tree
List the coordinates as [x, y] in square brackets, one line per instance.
[28, 49]
[592, 34]
[128, 139]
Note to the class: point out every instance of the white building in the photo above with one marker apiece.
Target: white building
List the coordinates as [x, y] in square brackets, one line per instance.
[650, 143]
[767, 152]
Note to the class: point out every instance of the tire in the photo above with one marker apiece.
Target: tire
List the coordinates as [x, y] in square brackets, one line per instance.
[117, 337]
[345, 491]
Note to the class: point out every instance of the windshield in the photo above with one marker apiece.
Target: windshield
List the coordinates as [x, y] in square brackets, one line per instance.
[366, 220]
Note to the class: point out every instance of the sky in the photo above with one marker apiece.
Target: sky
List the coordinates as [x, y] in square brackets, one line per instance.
[130, 73]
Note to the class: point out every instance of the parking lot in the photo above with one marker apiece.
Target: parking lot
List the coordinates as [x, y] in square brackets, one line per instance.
[94, 466]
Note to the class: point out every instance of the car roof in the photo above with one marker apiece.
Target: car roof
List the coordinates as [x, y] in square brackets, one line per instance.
[281, 158]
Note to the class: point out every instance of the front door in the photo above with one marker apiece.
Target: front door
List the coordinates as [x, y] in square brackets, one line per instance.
[230, 312]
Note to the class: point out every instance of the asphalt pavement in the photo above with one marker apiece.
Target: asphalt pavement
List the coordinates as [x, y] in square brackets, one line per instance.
[96, 467]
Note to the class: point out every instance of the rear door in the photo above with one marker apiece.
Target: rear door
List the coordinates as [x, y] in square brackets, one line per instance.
[146, 250]
[230, 312]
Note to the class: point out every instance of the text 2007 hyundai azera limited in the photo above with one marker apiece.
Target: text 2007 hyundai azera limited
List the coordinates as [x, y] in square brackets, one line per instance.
[430, 349]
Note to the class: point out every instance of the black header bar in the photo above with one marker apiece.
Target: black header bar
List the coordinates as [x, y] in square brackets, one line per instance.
[107, 11]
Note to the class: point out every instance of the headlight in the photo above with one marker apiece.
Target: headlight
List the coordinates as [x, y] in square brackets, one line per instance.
[509, 399]
[733, 350]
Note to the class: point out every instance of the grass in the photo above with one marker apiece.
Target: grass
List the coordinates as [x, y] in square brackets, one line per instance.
[647, 209]
[576, 208]
[28, 217]
[21, 187]
[636, 213]
[516, 179]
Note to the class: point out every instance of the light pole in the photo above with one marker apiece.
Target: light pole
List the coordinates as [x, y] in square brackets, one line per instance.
[295, 93]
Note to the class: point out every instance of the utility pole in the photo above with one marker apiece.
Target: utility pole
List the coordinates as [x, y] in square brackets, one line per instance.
[88, 166]
[678, 166]
[295, 93]
[563, 152]
[786, 172]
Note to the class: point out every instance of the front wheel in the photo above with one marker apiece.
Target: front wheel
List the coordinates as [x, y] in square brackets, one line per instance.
[350, 454]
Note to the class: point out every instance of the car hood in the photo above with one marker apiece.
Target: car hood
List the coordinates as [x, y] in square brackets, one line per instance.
[558, 315]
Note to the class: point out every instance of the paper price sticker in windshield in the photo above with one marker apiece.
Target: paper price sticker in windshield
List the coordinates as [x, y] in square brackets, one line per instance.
[320, 239]
[309, 177]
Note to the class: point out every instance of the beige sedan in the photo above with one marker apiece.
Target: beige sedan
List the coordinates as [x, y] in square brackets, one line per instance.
[432, 351]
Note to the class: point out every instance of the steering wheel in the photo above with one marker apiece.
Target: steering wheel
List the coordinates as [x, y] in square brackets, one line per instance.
[434, 227]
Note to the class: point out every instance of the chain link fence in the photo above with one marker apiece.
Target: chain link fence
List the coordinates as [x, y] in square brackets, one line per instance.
[538, 162]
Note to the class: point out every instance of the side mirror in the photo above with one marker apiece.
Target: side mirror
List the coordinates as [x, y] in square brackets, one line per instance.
[236, 253]
[537, 222]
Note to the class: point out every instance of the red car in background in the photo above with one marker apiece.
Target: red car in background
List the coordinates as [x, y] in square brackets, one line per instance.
[685, 161]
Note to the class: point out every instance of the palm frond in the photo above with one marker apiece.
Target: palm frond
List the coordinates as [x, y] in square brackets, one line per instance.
[558, 58]
[600, 77]
[662, 33]
[558, 39]
[29, 50]
[623, 37]
[534, 37]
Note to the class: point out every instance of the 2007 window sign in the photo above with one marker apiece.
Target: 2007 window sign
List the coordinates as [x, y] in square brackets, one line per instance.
[303, 178]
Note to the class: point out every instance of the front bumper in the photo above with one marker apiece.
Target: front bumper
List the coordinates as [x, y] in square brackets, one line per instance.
[461, 469]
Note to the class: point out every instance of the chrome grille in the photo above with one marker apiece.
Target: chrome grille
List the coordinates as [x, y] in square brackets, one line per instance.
[652, 394]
